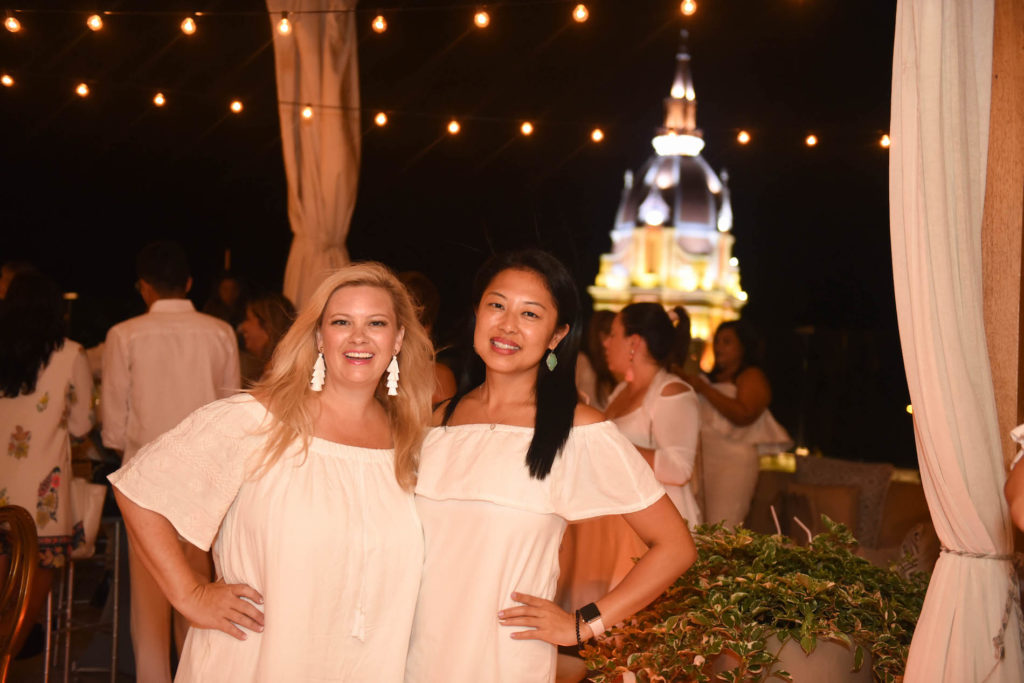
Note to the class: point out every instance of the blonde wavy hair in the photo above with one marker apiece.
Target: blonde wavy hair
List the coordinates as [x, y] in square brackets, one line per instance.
[285, 391]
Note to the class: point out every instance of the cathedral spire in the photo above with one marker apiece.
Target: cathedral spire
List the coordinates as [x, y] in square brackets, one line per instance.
[681, 104]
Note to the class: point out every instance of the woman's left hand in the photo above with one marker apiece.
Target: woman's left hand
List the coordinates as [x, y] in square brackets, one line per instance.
[548, 621]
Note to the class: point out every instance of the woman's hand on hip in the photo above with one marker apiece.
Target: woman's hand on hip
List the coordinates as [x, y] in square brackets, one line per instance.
[547, 621]
[223, 606]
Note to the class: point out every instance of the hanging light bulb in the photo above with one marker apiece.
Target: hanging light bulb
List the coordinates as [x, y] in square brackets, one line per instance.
[6, 80]
[95, 22]
[188, 26]
[379, 24]
[159, 99]
[482, 19]
[811, 140]
[597, 135]
[743, 137]
[12, 24]
[82, 90]
[284, 27]
[454, 127]
[580, 13]
[526, 128]
[307, 112]
[885, 141]
[688, 7]
[236, 106]
[381, 119]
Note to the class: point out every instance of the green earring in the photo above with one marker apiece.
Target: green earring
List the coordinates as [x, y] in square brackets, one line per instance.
[551, 361]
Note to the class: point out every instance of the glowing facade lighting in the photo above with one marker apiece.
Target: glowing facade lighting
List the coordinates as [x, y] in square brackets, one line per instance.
[673, 144]
[95, 22]
[597, 135]
[307, 112]
[381, 119]
[188, 26]
[885, 141]
[454, 127]
[159, 99]
[580, 13]
[482, 19]
[284, 27]
[379, 25]
[811, 140]
[12, 24]
[236, 106]
[82, 90]
[526, 128]
[688, 7]
[743, 137]
[6, 80]
[910, 409]
[734, 262]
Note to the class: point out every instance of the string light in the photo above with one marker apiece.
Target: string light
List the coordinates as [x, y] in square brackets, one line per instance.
[6, 80]
[482, 19]
[12, 24]
[307, 112]
[82, 90]
[580, 13]
[688, 7]
[381, 119]
[597, 135]
[379, 24]
[236, 106]
[188, 26]
[159, 99]
[743, 138]
[885, 141]
[526, 128]
[284, 27]
[454, 127]
[95, 22]
[811, 140]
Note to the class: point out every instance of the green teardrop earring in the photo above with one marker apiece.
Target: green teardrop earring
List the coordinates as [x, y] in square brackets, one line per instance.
[551, 361]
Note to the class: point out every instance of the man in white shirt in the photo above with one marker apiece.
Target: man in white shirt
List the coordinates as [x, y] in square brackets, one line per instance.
[157, 368]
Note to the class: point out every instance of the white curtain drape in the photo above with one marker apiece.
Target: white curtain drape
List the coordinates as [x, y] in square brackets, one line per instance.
[317, 67]
[942, 73]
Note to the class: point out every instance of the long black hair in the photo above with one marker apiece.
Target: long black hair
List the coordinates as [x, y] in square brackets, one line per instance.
[750, 340]
[652, 323]
[556, 389]
[31, 329]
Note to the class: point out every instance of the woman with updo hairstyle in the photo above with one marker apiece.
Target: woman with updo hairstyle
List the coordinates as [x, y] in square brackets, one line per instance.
[306, 483]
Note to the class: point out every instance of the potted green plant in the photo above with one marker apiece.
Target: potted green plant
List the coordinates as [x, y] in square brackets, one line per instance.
[748, 595]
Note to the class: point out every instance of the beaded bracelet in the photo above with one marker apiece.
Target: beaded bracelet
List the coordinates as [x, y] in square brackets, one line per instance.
[579, 641]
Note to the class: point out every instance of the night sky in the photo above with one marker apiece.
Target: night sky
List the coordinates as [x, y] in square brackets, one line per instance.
[86, 182]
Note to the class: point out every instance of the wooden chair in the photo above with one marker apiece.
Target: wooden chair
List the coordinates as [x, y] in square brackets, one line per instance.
[21, 570]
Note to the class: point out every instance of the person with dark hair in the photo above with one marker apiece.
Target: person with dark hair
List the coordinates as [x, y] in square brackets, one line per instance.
[514, 456]
[228, 299]
[734, 420]
[593, 378]
[45, 396]
[9, 270]
[267, 318]
[157, 368]
[428, 303]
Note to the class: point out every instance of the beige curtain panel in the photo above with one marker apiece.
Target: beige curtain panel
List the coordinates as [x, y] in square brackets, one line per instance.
[317, 67]
[969, 629]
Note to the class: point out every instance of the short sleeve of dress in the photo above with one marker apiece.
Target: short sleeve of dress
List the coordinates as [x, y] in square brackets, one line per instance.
[601, 473]
[192, 473]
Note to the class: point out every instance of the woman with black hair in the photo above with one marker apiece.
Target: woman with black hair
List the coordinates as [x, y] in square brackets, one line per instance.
[734, 421]
[45, 395]
[512, 459]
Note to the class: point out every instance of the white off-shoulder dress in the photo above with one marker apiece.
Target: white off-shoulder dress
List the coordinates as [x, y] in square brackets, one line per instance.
[326, 536]
[491, 529]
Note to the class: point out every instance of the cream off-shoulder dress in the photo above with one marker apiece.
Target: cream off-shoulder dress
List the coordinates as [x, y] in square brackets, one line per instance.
[326, 536]
[491, 529]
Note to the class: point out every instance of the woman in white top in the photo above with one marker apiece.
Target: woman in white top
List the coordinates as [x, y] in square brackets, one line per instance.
[306, 485]
[511, 460]
[734, 421]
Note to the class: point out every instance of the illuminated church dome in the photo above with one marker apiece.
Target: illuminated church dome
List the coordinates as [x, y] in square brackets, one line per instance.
[671, 241]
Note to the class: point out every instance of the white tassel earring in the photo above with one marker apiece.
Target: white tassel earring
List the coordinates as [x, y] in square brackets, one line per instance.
[393, 376]
[319, 373]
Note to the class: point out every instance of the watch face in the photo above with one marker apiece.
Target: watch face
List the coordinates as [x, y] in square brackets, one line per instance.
[589, 612]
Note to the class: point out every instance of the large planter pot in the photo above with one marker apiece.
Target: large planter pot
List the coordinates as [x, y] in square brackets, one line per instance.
[831, 662]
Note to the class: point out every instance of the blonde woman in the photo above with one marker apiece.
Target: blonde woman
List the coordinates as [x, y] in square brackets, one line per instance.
[306, 485]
